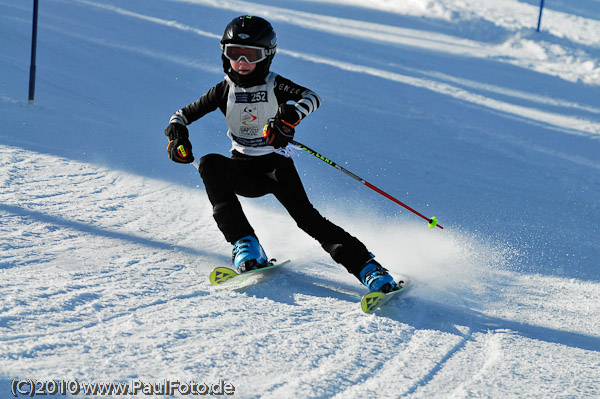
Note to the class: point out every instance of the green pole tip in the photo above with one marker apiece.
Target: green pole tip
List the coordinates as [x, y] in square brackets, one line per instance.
[432, 222]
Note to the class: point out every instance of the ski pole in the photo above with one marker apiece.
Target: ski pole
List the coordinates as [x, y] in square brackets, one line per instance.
[432, 222]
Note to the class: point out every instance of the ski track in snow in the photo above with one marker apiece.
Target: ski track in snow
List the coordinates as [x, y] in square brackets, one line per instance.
[517, 49]
[104, 275]
[394, 35]
[108, 291]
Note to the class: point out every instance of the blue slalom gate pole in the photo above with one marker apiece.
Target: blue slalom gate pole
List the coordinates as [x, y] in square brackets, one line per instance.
[33, 52]
[540, 17]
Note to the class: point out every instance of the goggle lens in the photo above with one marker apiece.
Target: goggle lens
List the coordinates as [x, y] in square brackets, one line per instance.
[252, 55]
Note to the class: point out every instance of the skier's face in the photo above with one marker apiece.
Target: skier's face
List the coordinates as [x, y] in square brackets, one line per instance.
[242, 67]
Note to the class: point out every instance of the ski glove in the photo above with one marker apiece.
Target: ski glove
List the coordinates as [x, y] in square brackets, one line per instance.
[280, 130]
[176, 130]
[179, 148]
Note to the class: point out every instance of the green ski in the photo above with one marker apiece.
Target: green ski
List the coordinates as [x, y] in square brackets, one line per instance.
[226, 277]
[375, 300]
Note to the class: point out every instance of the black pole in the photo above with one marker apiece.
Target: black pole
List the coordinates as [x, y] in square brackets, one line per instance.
[540, 17]
[33, 52]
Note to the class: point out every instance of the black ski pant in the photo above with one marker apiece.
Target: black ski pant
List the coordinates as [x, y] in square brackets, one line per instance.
[255, 176]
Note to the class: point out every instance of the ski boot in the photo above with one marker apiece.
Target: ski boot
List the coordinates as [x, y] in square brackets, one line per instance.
[376, 278]
[248, 254]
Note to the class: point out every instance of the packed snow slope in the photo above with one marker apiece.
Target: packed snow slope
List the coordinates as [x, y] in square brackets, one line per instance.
[458, 108]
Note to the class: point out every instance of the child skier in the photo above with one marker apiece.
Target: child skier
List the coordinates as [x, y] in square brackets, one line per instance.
[251, 97]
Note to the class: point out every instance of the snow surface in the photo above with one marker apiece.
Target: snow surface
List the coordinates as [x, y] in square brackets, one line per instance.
[457, 107]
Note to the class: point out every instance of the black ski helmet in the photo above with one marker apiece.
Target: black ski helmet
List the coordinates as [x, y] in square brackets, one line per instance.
[251, 31]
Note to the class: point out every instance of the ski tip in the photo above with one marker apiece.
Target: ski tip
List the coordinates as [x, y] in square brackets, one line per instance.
[225, 277]
[221, 274]
[370, 301]
[377, 299]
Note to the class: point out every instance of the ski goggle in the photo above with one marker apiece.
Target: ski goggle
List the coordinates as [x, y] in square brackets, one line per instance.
[252, 55]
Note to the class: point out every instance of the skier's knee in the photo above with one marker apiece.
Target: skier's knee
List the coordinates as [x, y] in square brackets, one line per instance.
[210, 162]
